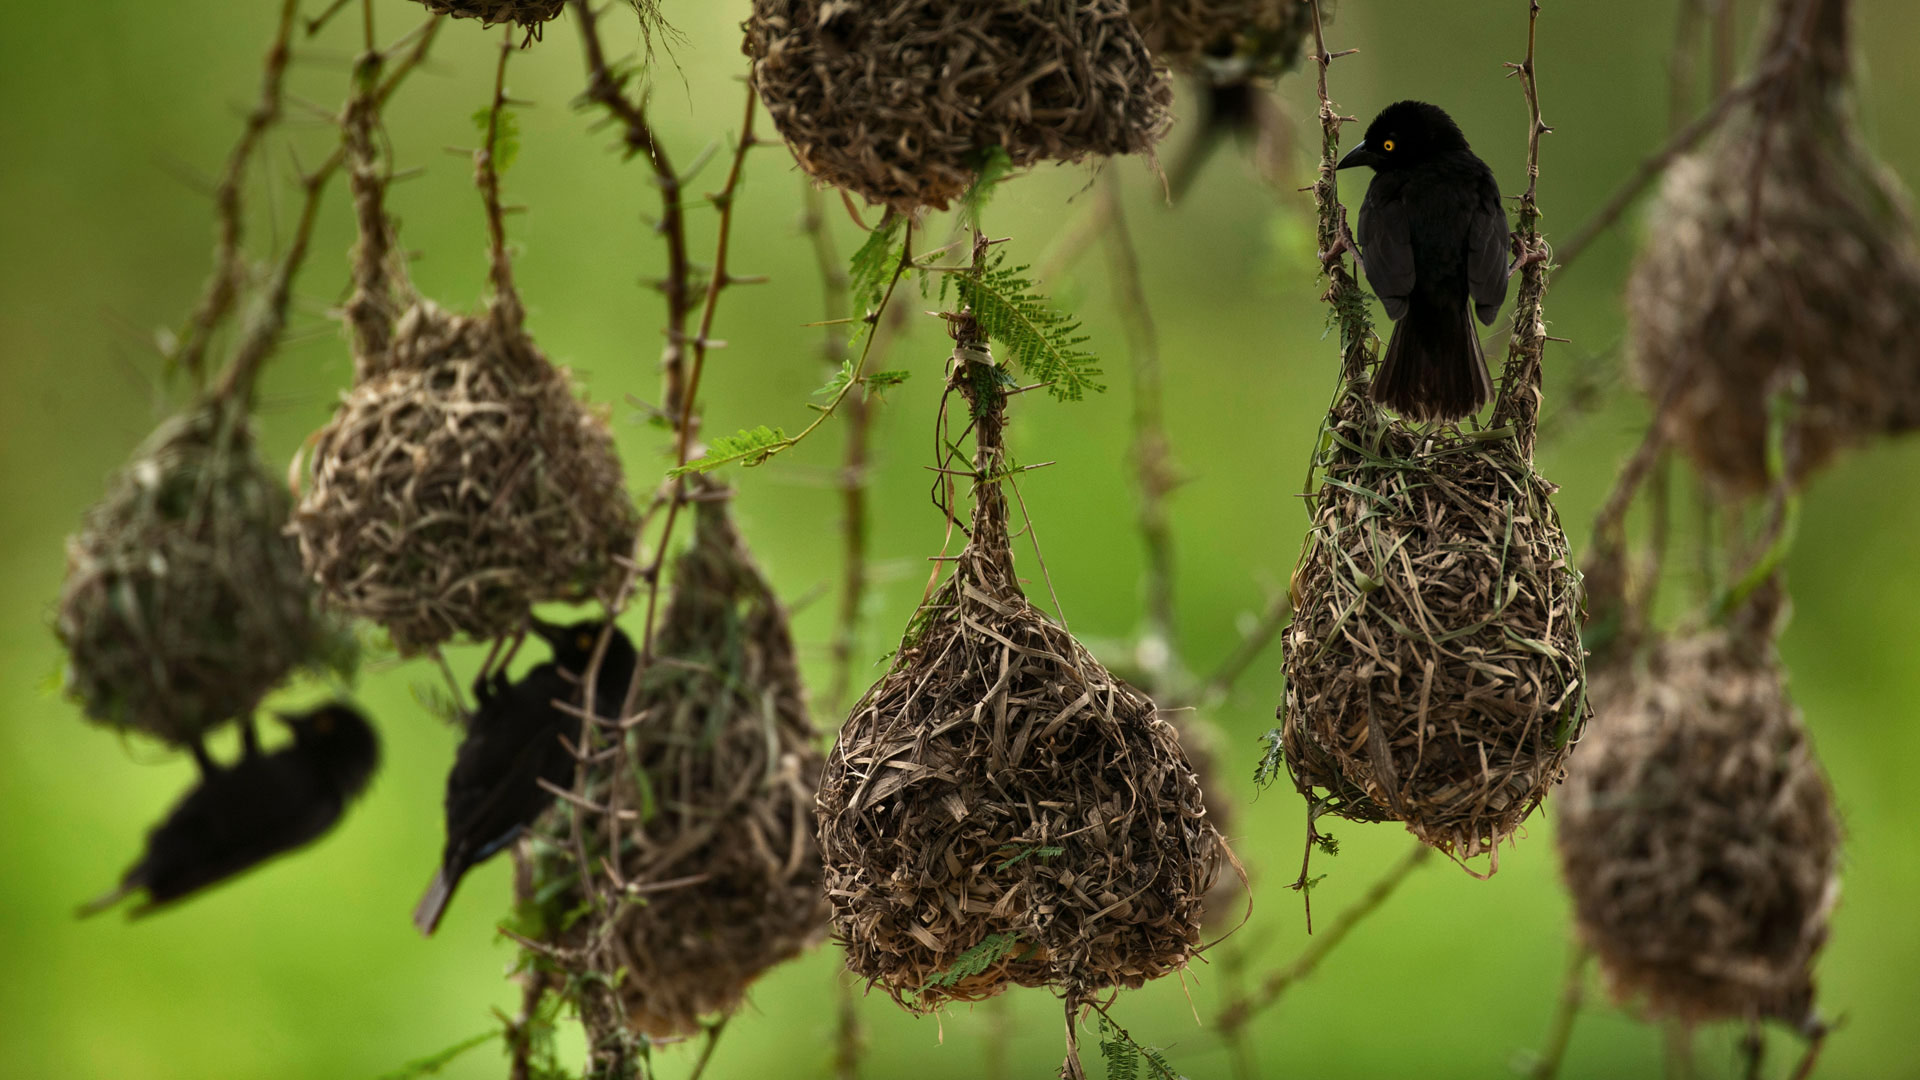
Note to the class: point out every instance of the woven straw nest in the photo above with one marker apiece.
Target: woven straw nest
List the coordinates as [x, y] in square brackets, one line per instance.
[1697, 834]
[1225, 39]
[898, 101]
[1000, 809]
[1828, 285]
[721, 863]
[185, 602]
[530, 14]
[459, 482]
[1434, 668]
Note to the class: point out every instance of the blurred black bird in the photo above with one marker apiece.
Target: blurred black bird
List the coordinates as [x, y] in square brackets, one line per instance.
[1432, 235]
[514, 741]
[262, 805]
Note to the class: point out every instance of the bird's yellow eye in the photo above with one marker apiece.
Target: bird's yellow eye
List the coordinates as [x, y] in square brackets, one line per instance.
[1388, 145]
[586, 642]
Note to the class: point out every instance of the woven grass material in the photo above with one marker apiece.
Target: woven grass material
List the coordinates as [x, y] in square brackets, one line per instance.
[1829, 287]
[460, 482]
[184, 601]
[998, 808]
[1697, 835]
[1225, 39]
[898, 100]
[1434, 668]
[721, 861]
[527, 13]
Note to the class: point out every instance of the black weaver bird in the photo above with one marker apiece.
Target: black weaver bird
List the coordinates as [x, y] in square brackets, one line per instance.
[1432, 236]
[262, 805]
[517, 737]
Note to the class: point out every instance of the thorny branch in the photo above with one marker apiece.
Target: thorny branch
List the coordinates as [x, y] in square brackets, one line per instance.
[1335, 239]
[1519, 403]
[1237, 1012]
[223, 285]
[486, 167]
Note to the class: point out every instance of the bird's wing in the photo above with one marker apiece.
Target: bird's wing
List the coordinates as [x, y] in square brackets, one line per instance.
[1487, 243]
[493, 791]
[258, 809]
[1386, 248]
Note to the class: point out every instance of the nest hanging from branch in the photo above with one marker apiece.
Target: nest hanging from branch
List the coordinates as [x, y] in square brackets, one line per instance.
[1225, 40]
[1000, 809]
[720, 869]
[1697, 834]
[899, 101]
[530, 14]
[1822, 279]
[184, 601]
[1434, 669]
[460, 482]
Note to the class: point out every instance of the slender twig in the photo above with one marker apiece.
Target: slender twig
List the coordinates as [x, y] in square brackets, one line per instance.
[713, 1042]
[1154, 472]
[1680, 65]
[1519, 404]
[1560, 1031]
[269, 322]
[1272, 988]
[223, 286]
[1677, 1056]
[1335, 239]
[1252, 645]
[849, 1037]
[486, 167]
[1723, 45]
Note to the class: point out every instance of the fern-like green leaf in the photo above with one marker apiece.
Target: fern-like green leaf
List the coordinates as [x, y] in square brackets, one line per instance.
[433, 1063]
[749, 446]
[1118, 1052]
[1271, 760]
[1044, 342]
[991, 950]
[873, 267]
[885, 380]
[993, 167]
[506, 139]
[837, 382]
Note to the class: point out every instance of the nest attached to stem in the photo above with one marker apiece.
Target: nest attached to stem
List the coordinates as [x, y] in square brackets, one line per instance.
[185, 601]
[720, 868]
[999, 808]
[1225, 40]
[1823, 280]
[1434, 669]
[1697, 834]
[460, 482]
[530, 14]
[900, 101]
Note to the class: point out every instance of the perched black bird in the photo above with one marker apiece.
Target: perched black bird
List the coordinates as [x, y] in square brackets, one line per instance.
[1432, 235]
[262, 805]
[514, 741]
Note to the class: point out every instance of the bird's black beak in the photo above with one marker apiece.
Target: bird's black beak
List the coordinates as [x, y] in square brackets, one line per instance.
[1361, 154]
[552, 633]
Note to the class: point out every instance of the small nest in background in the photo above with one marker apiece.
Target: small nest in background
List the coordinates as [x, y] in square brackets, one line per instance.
[461, 482]
[1434, 669]
[1697, 835]
[1000, 809]
[527, 13]
[185, 601]
[722, 867]
[1225, 40]
[899, 101]
[1828, 286]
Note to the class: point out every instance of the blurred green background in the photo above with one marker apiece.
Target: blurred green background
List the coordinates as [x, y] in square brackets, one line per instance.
[309, 968]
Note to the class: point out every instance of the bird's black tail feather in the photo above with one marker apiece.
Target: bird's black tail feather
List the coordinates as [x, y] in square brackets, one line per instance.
[426, 917]
[1433, 368]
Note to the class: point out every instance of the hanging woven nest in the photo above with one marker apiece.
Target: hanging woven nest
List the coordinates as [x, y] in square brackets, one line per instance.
[1826, 284]
[531, 14]
[1697, 834]
[721, 870]
[1000, 809]
[1434, 667]
[185, 602]
[1225, 40]
[900, 101]
[460, 482]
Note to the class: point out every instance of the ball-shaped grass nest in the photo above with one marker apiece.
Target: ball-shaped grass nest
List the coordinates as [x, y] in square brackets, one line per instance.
[999, 809]
[1697, 834]
[1823, 281]
[1434, 669]
[531, 14]
[1225, 39]
[719, 862]
[185, 601]
[460, 482]
[900, 101]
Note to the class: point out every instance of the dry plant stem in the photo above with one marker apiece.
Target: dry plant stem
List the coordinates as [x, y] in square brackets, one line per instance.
[713, 1042]
[608, 90]
[1677, 1050]
[1519, 403]
[1560, 1031]
[1272, 988]
[263, 333]
[1272, 621]
[849, 1036]
[223, 286]
[487, 178]
[1723, 45]
[1680, 65]
[1335, 239]
[1152, 451]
